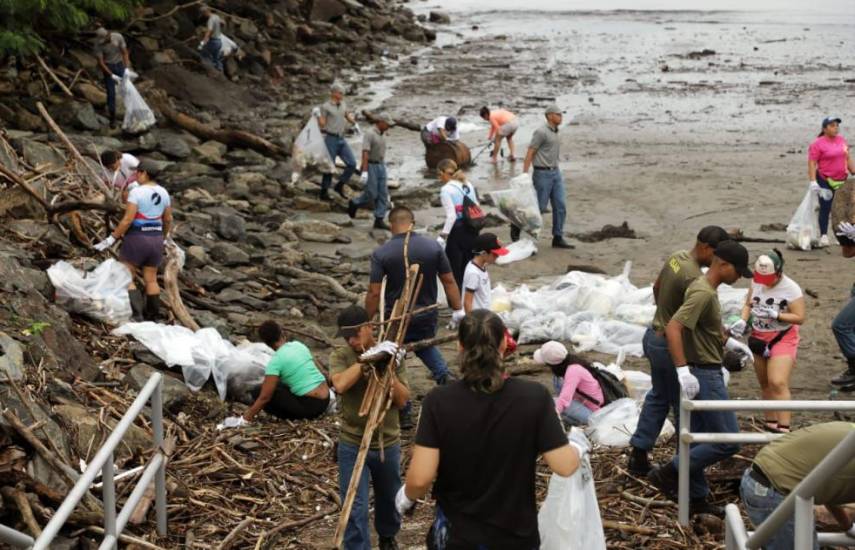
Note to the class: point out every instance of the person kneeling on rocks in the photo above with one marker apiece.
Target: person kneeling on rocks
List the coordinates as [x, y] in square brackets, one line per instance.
[350, 375]
[293, 387]
[120, 171]
[374, 173]
[145, 226]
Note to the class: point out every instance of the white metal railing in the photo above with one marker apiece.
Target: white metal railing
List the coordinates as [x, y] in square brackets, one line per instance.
[687, 437]
[155, 471]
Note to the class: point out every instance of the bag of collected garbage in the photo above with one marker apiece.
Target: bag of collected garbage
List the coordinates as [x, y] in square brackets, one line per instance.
[637, 383]
[517, 251]
[500, 299]
[803, 229]
[227, 46]
[101, 294]
[310, 150]
[614, 424]
[240, 373]
[519, 204]
[569, 518]
[138, 116]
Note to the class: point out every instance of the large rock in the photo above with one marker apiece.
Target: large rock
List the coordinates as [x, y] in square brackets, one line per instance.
[211, 152]
[439, 17]
[228, 254]
[85, 427]
[315, 230]
[231, 227]
[86, 60]
[39, 154]
[80, 115]
[92, 93]
[11, 359]
[172, 144]
[17, 203]
[326, 10]
[175, 393]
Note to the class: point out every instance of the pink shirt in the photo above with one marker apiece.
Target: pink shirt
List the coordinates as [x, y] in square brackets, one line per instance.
[577, 377]
[830, 156]
[499, 118]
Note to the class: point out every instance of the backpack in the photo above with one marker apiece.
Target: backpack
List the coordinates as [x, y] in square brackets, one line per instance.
[473, 217]
[612, 388]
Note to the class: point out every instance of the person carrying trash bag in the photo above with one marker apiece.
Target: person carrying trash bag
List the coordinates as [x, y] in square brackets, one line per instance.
[478, 441]
[680, 270]
[829, 160]
[696, 341]
[113, 59]
[144, 229]
[211, 46]
[373, 172]
[333, 120]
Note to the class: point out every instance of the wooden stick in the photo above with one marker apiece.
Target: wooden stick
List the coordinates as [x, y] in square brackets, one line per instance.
[626, 528]
[127, 539]
[334, 285]
[170, 284]
[140, 512]
[653, 503]
[19, 181]
[53, 76]
[20, 499]
[297, 523]
[233, 535]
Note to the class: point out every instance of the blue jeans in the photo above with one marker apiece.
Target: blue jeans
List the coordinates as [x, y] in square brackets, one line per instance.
[824, 205]
[662, 397]
[213, 52]
[386, 479]
[843, 327]
[431, 357]
[117, 69]
[375, 190]
[706, 454]
[549, 186]
[576, 413]
[338, 147]
[760, 501]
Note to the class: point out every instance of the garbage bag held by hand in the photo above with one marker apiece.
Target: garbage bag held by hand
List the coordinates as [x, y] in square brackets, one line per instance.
[570, 516]
[227, 46]
[517, 251]
[803, 229]
[311, 150]
[519, 204]
[101, 294]
[138, 116]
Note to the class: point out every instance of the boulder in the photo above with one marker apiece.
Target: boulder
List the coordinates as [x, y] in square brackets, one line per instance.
[231, 227]
[80, 115]
[40, 154]
[148, 43]
[211, 152]
[25, 120]
[17, 203]
[311, 205]
[85, 427]
[315, 230]
[196, 256]
[93, 94]
[172, 144]
[175, 393]
[228, 254]
[439, 17]
[85, 60]
[327, 10]
[11, 359]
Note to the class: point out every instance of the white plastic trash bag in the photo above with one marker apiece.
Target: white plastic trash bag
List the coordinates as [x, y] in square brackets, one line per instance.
[310, 150]
[614, 424]
[519, 204]
[101, 294]
[138, 116]
[227, 46]
[517, 251]
[569, 518]
[803, 229]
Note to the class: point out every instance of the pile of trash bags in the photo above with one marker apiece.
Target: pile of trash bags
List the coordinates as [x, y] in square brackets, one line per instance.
[237, 370]
[138, 116]
[100, 294]
[519, 204]
[593, 312]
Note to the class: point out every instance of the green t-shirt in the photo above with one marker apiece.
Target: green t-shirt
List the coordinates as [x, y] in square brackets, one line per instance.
[294, 366]
[674, 279]
[700, 316]
[353, 425]
[788, 460]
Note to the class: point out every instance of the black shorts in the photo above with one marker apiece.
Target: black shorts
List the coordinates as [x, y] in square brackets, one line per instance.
[142, 249]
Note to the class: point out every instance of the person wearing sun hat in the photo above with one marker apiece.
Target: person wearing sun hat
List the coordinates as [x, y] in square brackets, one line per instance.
[829, 164]
[775, 307]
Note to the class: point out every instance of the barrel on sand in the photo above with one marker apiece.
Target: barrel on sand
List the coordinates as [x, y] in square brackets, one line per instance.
[454, 150]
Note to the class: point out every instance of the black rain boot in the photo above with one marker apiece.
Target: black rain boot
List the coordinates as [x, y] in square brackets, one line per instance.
[152, 307]
[664, 478]
[351, 209]
[515, 233]
[380, 224]
[639, 464]
[559, 242]
[339, 188]
[137, 304]
[847, 377]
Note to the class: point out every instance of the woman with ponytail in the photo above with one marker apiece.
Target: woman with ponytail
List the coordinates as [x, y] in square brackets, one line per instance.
[456, 236]
[477, 442]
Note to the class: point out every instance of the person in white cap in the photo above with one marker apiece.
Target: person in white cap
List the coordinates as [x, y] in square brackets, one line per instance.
[775, 307]
[578, 392]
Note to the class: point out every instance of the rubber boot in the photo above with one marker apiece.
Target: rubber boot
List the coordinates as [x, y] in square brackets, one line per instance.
[847, 377]
[152, 307]
[639, 464]
[137, 304]
[380, 224]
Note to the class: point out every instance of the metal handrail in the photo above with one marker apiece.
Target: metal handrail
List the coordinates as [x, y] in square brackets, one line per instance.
[687, 437]
[103, 462]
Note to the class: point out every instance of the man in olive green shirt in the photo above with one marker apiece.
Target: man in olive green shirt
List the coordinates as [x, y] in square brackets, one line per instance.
[696, 340]
[679, 271]
[350, 379]
[781, 465]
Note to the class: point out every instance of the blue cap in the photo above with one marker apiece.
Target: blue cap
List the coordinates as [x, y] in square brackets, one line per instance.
[829, 119]
[451, 124]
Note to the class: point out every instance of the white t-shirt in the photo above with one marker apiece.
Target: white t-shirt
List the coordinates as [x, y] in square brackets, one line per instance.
[451, 198]
[477, 281]
[778, 298]
[126, 175]
[439, 122]
[151, 201]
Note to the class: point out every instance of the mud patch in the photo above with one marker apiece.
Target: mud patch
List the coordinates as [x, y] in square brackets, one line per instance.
[622, 231]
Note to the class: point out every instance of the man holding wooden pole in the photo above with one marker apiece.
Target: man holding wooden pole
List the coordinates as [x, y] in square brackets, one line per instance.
[351, 377]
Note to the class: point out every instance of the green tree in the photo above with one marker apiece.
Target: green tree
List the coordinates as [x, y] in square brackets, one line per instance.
[26, 24]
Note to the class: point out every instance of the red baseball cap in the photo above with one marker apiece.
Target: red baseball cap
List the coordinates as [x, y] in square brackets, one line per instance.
[488, 242]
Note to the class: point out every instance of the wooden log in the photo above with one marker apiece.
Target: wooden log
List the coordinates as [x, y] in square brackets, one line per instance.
[170, 285]
[16, 496]
[234, 534]
[334, 285]
[53, 76]
[626, 528]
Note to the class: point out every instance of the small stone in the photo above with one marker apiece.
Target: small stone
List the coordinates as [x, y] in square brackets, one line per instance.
[196, 256]
[295, 313]
[211, 152]
[439, 17]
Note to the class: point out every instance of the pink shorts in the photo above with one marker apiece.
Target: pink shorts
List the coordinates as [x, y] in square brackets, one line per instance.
[787, 346]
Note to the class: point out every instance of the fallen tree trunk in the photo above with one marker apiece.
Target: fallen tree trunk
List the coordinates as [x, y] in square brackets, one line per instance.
[334, 285]
[170, 284]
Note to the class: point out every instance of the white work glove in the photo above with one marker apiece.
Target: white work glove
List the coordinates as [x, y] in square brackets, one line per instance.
[688, 383]
[814, 186]
[738, 328]
[441, 241]
[578, 440]
[316, 112]
[105, 244]
[201, 44]
[383, 347]
[232, 422]
[846, 229]
[402, 503]
[456, 317]
[733, 344]
[765, 312]
[826, 194]
[358, 129]
[131, 74]
[364, 177]
[725, 374]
